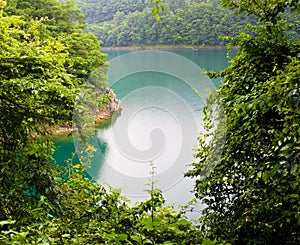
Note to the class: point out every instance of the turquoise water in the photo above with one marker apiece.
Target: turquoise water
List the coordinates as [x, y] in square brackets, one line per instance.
[159, 121]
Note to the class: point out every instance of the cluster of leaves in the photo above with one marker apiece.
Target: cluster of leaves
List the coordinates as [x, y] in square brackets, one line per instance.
[64, 23]
[89, 214]
[179, 22]
[252, 194]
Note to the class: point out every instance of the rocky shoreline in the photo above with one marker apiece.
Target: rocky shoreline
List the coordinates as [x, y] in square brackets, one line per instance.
[108, 109]
[101, 114]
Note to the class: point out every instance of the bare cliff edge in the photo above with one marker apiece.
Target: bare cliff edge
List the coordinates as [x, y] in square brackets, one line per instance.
[101, 114]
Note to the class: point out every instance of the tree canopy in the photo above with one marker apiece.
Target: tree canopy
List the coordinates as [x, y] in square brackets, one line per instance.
[252, 193]
[41, 73]
[191, 23]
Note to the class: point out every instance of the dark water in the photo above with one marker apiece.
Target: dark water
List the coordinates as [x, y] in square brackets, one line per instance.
[159, 122]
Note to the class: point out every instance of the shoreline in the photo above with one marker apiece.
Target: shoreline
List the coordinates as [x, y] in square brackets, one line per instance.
[160, 47]
[66, 129]
[101, 114]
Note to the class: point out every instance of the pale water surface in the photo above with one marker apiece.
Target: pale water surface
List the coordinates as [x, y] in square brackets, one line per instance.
[159, 123]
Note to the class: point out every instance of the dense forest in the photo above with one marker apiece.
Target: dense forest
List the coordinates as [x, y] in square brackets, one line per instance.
[251, 191]
[192, 23]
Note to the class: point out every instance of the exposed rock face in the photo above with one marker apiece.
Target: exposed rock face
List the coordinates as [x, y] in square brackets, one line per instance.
[101, 114]
[63, 129]
[109, 109]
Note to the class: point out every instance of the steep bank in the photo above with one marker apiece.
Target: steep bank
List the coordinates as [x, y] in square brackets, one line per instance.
[101, 114]
[108, 109]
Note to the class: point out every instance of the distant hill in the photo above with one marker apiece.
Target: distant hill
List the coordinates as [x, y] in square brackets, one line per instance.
[98, 11]
[131, 23]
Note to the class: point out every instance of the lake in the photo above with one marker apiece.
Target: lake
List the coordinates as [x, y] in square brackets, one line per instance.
[162, 95]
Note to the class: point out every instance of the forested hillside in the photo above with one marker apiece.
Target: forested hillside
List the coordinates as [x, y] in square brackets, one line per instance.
[97, 11]
[127, 23]
[131, 23]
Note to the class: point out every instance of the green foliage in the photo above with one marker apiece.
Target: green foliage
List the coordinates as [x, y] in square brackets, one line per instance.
[179, 22]
[45, 61]
[97, 11]
[252, 194]
[37, 92]
[194, 23]
[64, 22]
[32, 76]
[267, 11]
[90, 214]
[59, 17]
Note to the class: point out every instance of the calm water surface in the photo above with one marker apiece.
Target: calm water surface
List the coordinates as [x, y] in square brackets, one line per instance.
[159, 123]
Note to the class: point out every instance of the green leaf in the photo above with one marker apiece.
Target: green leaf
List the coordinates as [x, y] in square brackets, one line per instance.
[162, 7]
[155, 11]
[7, 222]
[207, 241]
